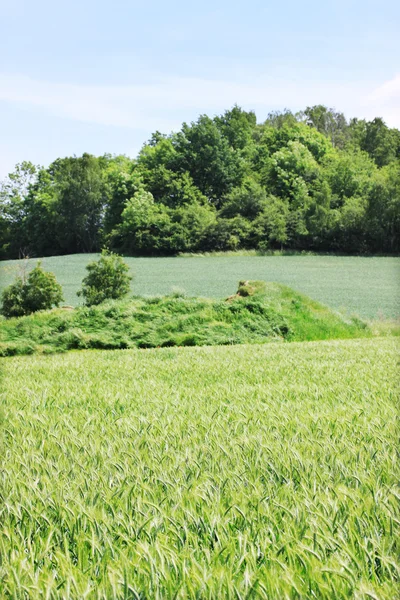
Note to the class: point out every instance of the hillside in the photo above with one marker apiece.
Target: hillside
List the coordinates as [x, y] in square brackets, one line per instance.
[258, 313]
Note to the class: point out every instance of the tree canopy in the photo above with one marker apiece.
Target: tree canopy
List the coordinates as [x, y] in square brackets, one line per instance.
[311, 180]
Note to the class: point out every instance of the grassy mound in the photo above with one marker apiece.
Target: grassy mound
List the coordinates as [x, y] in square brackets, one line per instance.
[257, 313]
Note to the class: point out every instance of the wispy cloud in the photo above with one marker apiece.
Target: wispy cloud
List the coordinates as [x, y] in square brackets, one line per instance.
[385, 99]
[161, 104]
[390, 90]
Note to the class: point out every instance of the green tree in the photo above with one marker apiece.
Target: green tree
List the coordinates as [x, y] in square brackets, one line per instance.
[292, 174]
[39, 291]
[107, 279]
[306, 180]
[349, 227]
[381, 143]
[204, 152]
[349, 173]
[12, 301]
[122, 180]
[228, 234]
[376, 138]
[237, 126]
[329, 122]
[270, 228]
[13, 192]
[192, 224]
[42, 291]
[172, 189]
[383, 212]
[248, 200]
[146, 227]
[319, 214]
[278, 119]
[66, 206]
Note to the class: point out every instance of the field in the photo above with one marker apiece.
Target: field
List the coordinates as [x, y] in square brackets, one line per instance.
[263, 471]
[242, 472]
[368, 287]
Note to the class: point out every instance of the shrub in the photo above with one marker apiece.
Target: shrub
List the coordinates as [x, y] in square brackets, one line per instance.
[107, 278]
[40, 291]
[12, 299]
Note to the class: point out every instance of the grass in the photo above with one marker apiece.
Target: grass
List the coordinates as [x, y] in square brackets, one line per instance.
[245, 472]
[368, 287]
[261, 313]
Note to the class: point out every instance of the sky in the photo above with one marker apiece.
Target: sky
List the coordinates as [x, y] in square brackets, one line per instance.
[95, 76]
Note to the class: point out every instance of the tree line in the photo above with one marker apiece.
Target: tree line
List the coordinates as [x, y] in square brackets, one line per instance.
[306, 181]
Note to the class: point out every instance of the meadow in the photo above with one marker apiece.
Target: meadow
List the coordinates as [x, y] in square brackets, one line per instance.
[264, 471]
[257, 313]
[366, 286]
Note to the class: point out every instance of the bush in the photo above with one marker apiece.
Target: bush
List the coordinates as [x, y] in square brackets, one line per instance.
[40, 291]
[12, 299]
[108, 278]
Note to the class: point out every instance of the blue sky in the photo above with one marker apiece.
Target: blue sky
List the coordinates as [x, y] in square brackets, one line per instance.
[101, 76]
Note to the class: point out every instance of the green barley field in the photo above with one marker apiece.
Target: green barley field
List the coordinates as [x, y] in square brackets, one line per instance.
[368, 287]
[263, 472]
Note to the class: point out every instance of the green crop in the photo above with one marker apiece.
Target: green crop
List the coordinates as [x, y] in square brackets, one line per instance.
[366, 286]
[239, 472]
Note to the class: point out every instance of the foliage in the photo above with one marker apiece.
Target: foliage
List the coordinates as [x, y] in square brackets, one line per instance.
[237, 472]
[42, 291]
[258, 313]
[107, 279]
[39, 291]
[66, 205]
[329, 122]
[204, 151]
[376, 138]
[309, 181]
[12, 299]
[13, 192]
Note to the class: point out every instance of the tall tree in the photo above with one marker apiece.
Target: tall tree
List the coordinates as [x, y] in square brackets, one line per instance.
[67, 205]
[13, 192]
[206, 154]
[329, 122]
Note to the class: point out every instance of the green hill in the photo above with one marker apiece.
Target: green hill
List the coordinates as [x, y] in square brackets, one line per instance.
[257, 313]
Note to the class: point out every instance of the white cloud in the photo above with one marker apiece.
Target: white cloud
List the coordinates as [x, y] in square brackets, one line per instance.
[134, 111]
[143, 106]
[163, 104]
[384, 102]
[390, 90]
